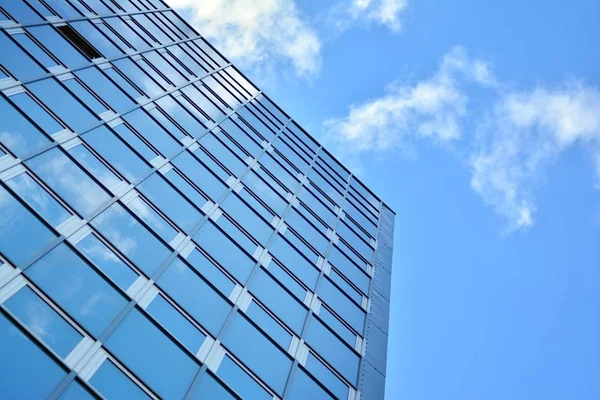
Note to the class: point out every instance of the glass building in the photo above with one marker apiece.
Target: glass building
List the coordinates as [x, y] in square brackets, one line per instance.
[167, 231]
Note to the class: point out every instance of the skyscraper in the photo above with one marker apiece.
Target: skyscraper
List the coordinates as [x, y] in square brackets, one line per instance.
[166, 230]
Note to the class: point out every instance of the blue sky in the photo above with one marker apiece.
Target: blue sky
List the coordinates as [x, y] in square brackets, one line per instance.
[479, 123]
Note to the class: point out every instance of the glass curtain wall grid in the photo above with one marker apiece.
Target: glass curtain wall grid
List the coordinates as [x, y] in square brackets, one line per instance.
[166, 230]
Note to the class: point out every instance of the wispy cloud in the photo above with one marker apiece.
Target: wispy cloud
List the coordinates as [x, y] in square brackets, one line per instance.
[257, 33]
[520, 134]
[347, 13]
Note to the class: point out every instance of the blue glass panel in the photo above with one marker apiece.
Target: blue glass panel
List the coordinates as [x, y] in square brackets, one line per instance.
[224, 251]
[184, 186]
[177, 208]
[116, 153]
[22, 235]
[293, 261]
[302, 387]
[85, 96]
[349, 269]
[272, 295]
[39, 199]
[211, 272]
[34, 111]
[223, 154]
[181, 115]
[107, 261]
[58, 45]
[241, 137]
[152, 132]
[200, 175]
[240, 381]
[76, 391]
[351, 291]
[95, 167]
[131, 238]
[74, 286]
[17, 62]
[176, 323]
[104, 88]
[21, 12]
[246, 217]
[138, 76]
[335, 352]
[193, 294]
[63, 104]
[18, 134]
[345, 308]
[167, 123]
[64, 9]
[136, 142]
[209, 388]
[153, 219]
[262, 357]
[22, 363]
[105, 47]
[326, 377]
[236, 234]
[112, 383]
[69, 181]
[123, 83]
[45, 323]
[335, 324]
[286, 279]
[264, 192]
[307, 231]
[35, 50]
[268, 324]
[166, 368]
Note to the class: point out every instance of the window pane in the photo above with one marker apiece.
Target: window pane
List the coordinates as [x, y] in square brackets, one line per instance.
[39, 199]
[176, 323]
[58, 45]
[245, 217]
[116, 153]
[211, 272]
[326, 376]
[131, 238]
[105, 89]
[187, 288]
[136, 142]
[352, 314]
[184, 186]
[35, 50]
[209, 388]
[63, 104]
[153, 219]
[17, 133]
[334, 323]
[112, 383]
[22, 235]
[200, 175]
[106, 48]
[22, 363]
[19, 64]
[21, 12]
[178, 209]
[140, 345]
[349, 269]
[138, 76]
[69, 181]
[293, 261]
[95, 167]
[262, 357]
[302, 387]
[240, 381]
[272, 295]
[268, 324]
[76, 391]
[107, 261]
[85, 96]
[152, 132]
[38, 114]
[228, 255]
[75, 287]
[43, 321]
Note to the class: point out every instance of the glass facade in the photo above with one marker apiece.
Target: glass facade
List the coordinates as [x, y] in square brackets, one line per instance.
[166, 230]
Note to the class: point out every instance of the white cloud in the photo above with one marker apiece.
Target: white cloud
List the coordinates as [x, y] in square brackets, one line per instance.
[257, 33]
[526, 132]
[430, 108]
[384, 12]
[522, 133]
